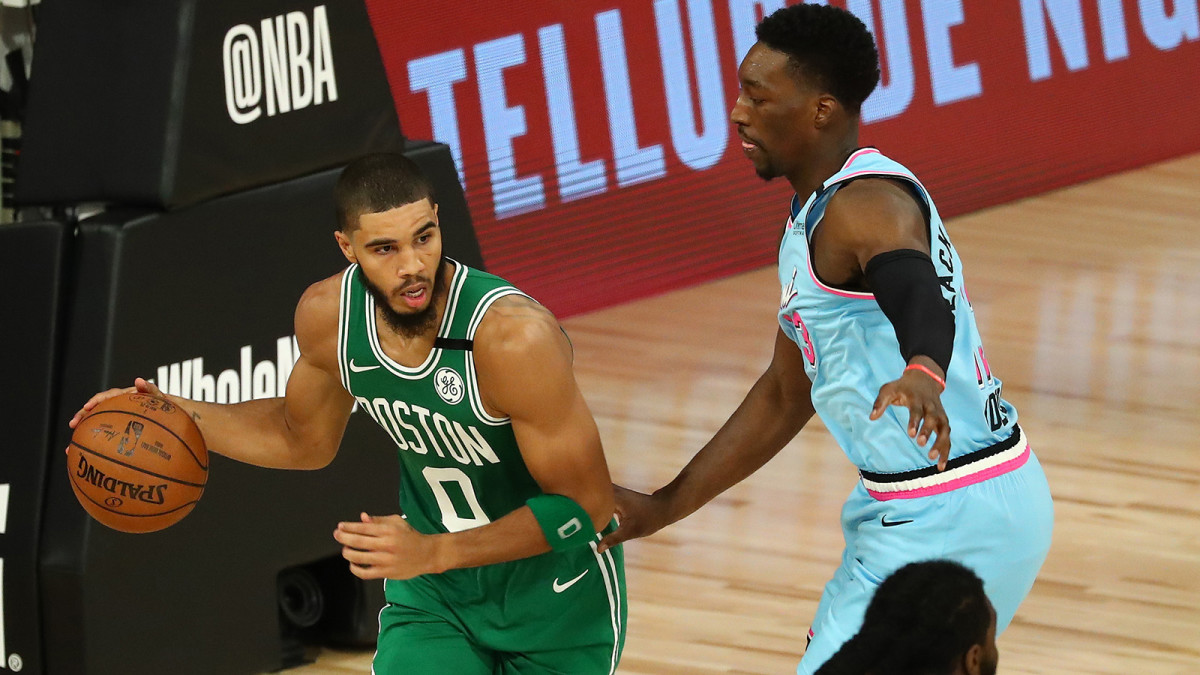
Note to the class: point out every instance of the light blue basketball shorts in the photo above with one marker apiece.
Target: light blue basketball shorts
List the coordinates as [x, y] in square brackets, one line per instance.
[999, 527]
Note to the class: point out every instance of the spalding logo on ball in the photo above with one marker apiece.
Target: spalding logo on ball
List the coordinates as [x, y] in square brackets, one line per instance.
[137, 463]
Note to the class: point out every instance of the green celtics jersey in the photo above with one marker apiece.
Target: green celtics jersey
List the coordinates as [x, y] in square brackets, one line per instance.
[460, 466]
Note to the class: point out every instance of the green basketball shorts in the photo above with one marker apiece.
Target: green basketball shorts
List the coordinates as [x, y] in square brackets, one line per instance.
[556, 613]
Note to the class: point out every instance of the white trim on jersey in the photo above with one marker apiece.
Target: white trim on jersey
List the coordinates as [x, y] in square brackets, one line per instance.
[344, 324]
[486, 302]
[452, 297]
[472, 380]
[386, 361]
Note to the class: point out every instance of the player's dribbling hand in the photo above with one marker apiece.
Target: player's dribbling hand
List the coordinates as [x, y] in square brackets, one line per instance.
[385, 547]
[139, 385]
[638, 515]
[926, 417]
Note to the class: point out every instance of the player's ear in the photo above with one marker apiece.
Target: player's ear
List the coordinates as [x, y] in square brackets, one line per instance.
[824, 108]
[343, 240]
[973, 660]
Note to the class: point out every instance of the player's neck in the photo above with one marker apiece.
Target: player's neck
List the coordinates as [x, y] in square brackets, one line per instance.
[826, 159]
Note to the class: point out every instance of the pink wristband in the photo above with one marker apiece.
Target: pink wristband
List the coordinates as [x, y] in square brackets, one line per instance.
[923, 369]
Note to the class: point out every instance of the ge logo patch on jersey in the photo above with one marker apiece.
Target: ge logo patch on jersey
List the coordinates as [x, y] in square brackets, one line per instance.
[449, 385]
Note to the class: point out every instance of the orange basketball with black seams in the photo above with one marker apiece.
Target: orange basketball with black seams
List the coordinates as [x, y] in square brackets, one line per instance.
[137, 463]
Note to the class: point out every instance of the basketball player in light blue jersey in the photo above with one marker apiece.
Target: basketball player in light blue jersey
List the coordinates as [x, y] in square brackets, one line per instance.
[878, 337]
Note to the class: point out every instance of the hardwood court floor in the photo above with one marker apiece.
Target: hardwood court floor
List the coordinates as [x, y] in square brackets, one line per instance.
[1089, 303]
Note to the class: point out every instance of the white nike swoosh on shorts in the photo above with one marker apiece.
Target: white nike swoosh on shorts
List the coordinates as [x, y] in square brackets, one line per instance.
[360, 369]
[559, 588]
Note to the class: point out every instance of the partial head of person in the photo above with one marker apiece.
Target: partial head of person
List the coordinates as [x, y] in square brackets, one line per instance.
[927, 618]
[803, 85]
[388, 224]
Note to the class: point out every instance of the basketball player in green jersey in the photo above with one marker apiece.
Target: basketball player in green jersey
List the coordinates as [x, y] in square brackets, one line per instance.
[493, 567]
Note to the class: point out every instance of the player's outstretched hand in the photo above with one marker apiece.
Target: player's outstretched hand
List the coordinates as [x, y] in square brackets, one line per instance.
[139, 385]
[921, 394]
[385, 547]
[638, 515]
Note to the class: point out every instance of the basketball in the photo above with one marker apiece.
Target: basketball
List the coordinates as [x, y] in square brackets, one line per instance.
[137, 463]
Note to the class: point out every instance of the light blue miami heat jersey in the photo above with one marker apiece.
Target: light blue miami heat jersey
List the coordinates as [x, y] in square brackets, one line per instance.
[850, 347]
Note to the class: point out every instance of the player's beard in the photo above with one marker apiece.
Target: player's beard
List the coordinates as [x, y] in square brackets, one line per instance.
[410, 324]
[767, 171]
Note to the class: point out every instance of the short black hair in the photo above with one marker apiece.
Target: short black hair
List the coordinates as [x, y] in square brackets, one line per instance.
[922, 618]
[827, 44]
[375, 183]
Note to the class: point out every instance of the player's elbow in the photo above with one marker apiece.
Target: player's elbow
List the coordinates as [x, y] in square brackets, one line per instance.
[313, 456]
[315, 462]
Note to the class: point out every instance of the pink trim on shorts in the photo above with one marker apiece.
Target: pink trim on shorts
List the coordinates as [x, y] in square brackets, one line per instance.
[990, 472]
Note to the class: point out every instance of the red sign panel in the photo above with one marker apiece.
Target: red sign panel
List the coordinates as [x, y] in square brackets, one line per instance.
[594, 143]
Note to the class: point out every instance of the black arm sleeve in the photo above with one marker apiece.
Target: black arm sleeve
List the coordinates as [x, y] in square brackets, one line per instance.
[907, 289]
